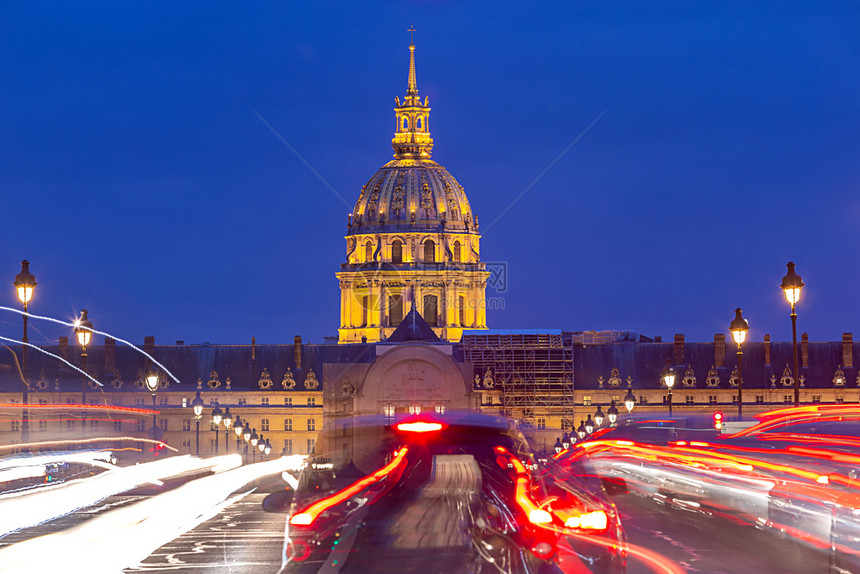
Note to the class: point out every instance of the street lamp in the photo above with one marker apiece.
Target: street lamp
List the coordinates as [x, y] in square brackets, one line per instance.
[629, 403]
[581, 430]
[25, 285]
[598, 417]
[197, 405]
[254, 440]
[268, 449]
[83, 333]
[589, 425]
[792, 284]
[216, 420]
[246, 434]
[151, 379]
[668, 376]
[227, 419]
[238, 425]
[261, 444]
[558, 446]
[739, 328]
[565, 440]
[612, 413]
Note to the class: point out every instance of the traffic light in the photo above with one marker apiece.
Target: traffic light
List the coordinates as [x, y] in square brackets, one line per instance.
[718, 421]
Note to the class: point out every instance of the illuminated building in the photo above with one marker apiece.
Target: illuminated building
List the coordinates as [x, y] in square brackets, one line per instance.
[412, 238]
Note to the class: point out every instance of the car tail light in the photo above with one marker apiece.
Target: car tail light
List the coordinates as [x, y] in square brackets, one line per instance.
[543, 549]
[419, 427]
[308, 515]
[596, 520]
[540, 516]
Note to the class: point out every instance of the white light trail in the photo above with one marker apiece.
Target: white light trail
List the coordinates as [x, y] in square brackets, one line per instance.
[28, 508]
[122, 537]
[102, 333]
[84, 373]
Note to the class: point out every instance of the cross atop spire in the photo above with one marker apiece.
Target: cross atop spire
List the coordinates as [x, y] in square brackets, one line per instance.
[412, 86]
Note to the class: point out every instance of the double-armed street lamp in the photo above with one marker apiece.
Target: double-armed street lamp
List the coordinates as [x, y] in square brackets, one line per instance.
[216, 420]
[197, 405]
[25, 286]
[739, 328]
[791, 285]
[668, 377]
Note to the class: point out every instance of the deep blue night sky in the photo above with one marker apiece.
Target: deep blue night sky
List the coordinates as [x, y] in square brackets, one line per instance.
[140, 183]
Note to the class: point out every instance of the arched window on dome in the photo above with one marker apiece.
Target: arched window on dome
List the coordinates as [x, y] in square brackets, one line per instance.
[405, 123]
[418, 123]
[429, 251]
[431, 310]
[368, 252]
[396, 251]
[457, 251]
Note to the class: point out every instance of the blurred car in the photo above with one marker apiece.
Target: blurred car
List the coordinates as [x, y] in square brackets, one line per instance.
[449, 493]
[794, 474]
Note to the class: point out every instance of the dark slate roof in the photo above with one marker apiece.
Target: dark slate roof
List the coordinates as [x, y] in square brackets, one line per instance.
[188, 363]
[413, 327]
[645, 362]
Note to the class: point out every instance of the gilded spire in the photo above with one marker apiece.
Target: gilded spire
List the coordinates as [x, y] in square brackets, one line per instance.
[412, 87]
[412, 138]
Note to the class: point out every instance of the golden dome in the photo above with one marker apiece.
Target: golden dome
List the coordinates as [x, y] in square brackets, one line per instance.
[412, 191]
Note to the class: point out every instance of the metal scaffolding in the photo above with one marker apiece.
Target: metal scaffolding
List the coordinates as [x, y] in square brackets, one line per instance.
[534, 372]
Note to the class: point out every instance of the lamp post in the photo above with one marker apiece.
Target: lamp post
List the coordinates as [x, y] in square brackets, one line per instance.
[589, 425]
[668, 376]
[739, 328]
[197, 404]
[237, 428]
[792, 284]
[83, 333]
[227, 419]
[629, 403]
[246, 434]
[612, 414]
[254, 440]
[598, 417]
[25, 285]
[265, 448]
[565, 440]
[151, 380]
[216, 420]
[558, 446]
[581, 432]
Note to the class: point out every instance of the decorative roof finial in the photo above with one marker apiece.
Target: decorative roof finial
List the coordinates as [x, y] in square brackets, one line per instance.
[412, 87]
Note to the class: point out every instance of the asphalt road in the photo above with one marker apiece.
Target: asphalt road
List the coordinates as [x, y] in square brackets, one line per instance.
[701, 544]
[243, 538]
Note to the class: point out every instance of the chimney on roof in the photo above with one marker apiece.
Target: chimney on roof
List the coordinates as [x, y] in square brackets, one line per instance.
[804, 350]
[297, 351]
[180, 343]
[64, 347]
[658, 339]
[679, 349]
[719, 350]
[110, 355]
[848, 350]
[766, 349]
[149, 344]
